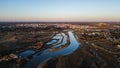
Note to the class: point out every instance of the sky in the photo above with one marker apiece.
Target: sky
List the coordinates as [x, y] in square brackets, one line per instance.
[60, 10]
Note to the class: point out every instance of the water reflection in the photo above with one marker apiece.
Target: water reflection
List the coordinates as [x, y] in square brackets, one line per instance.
[26, 53]
[46, 54]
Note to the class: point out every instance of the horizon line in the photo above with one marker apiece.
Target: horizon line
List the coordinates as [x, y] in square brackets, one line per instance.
[34, 22]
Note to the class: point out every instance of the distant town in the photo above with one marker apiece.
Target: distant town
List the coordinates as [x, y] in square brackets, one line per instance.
[65, 45]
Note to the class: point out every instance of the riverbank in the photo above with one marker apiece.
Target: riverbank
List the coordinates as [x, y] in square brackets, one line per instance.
[83, 57]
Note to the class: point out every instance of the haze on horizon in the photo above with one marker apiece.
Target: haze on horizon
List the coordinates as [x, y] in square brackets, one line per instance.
[60, 10]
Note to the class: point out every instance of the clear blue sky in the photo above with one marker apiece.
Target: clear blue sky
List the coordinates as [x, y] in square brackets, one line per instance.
[60, 10]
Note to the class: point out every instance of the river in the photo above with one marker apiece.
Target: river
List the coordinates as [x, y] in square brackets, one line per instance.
[46, 54]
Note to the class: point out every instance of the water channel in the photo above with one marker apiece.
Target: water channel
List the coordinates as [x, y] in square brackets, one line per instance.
[47, 54]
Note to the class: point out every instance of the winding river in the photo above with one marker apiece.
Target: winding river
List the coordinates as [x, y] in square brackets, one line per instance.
[46, 54]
